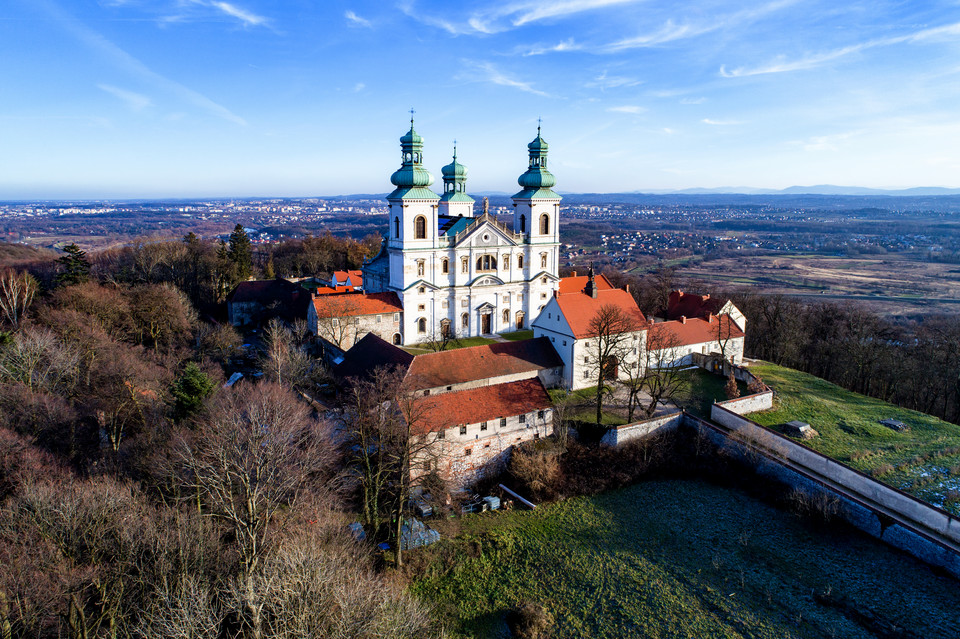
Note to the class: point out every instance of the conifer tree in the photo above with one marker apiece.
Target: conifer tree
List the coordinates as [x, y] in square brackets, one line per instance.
[76, 268]
[240, 252]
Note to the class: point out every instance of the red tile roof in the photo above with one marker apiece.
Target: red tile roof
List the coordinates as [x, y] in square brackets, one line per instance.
[481, 362]
[693, 331]
[370, 353]
[689, 305]
[350, 304]
[579, 309]
[445, 410]
[355, 276]
[577, 283]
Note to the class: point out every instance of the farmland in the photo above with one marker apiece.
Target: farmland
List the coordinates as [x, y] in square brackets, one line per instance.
[680, 558]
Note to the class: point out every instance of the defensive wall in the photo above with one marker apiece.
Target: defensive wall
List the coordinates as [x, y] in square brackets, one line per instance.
[639, 430]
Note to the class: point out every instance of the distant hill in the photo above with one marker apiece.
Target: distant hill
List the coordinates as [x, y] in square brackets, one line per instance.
[16, 254]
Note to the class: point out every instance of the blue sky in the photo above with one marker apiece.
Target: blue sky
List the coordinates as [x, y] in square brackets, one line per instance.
[189, 98]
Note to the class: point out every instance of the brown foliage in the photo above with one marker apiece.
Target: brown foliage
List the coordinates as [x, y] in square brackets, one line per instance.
[529, 620]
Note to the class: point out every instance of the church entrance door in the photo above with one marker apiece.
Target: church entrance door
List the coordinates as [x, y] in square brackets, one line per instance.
[485, 323]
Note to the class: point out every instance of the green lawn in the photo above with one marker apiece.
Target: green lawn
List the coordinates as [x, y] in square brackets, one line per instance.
[679, 559]
[516, 336]
[924, 461]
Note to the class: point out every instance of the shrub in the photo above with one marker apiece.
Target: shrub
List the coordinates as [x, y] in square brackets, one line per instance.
[536, 470]
[529, 620]
[731, 389]
[882, 470]
[756, 386]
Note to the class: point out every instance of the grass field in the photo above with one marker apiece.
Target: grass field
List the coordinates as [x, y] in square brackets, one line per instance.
[516, 336]
[460, 343]
[680, 559]
[924, 461]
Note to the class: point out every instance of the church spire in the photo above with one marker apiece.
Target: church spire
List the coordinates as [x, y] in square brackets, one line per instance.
[537, 181]
[411, 179]
[455, 200]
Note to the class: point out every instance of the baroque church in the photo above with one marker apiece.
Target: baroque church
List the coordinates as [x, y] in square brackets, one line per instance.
[461, 274]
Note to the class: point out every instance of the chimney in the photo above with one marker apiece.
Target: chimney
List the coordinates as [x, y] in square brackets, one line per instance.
[573, 273]
[626, 287]
[591, 288]
[683, 319]
[710, 318]
[706, 297]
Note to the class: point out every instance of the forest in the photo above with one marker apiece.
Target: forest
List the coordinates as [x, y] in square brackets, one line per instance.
[139, 496]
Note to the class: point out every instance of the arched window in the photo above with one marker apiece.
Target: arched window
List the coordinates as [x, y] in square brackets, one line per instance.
[519, 261]
[544, 224]
[444, 265]
[420, 228]
[519, 317]
[422, 325]
[486, 263]
[506, 318]
[465, 321]
[523, 223]
[396, 227]
[396, 339]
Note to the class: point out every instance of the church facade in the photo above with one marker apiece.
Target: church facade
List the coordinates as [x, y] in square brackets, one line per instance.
[461, 274]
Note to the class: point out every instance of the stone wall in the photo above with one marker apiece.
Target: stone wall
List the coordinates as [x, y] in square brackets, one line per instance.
[639, 430]
[923, 530]
[749, 404]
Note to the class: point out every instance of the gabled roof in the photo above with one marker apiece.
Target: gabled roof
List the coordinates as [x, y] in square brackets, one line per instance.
[262, 291]
[352, 304]
[445, 410]
[689, 305]
[577, 283]
[370, 353]
[579, 309]
[692, 331]
[481, 362]
[326, 290]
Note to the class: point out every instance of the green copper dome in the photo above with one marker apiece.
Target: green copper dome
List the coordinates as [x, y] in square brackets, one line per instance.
[411, 179]
[537, 180]
[455, 181]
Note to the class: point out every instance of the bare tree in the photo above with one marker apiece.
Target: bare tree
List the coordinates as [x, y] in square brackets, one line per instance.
[724, 330]
[662, 375]
[336, 319]
[255, 455]
[16, 294]
[283, 360]
[612, 331]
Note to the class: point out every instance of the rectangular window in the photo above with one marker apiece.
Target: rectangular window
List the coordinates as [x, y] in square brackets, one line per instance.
[543, 296]
[564, 342]
[503, 422]
[444, 304]
[463, 430]
[464, 302]
[586, 374]
[586, 359]
[540, 414]
[426, 392]
[523, 419]
[336, 322]
[396, 317]
[467, 452]
[426, 466]
[483, 425]
[441, 434]
[379, 318]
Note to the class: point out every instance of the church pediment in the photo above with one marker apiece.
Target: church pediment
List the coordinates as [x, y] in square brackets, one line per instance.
[486, 307]
[487, 233]
[423, 283]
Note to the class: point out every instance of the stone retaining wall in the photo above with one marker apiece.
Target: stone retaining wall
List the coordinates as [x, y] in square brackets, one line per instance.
[638, 430]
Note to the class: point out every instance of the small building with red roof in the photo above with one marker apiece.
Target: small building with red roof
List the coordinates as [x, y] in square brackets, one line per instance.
[353, 280]
[343, 319]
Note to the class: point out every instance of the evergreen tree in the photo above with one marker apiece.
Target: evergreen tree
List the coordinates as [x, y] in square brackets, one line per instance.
[240, 252]
[76, 268]
[189, 390]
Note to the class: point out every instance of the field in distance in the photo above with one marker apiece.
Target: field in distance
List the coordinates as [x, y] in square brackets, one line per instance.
[681, 558]
[891, 284]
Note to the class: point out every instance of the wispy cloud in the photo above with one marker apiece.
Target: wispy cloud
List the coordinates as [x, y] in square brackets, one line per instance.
[506, 16]
[356, 20]
[671, 31]
[126, 62]
[248, 18]
[781, 64]
[693, 100]
[628, 108]
[566, 45]
[135, 101]
[358, 87]
[825, 142]
[712, 122]
[487, 72]
[605, 81]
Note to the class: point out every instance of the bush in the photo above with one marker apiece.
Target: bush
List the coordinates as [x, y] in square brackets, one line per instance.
[731, 389]
[536, 470]
[529, 620]
[881, 470]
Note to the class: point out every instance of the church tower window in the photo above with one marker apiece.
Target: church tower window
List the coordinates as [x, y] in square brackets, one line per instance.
[519, 261]
[396, 227]
[523, 223]
[444, 266]
[544, 224]
[420, 228]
